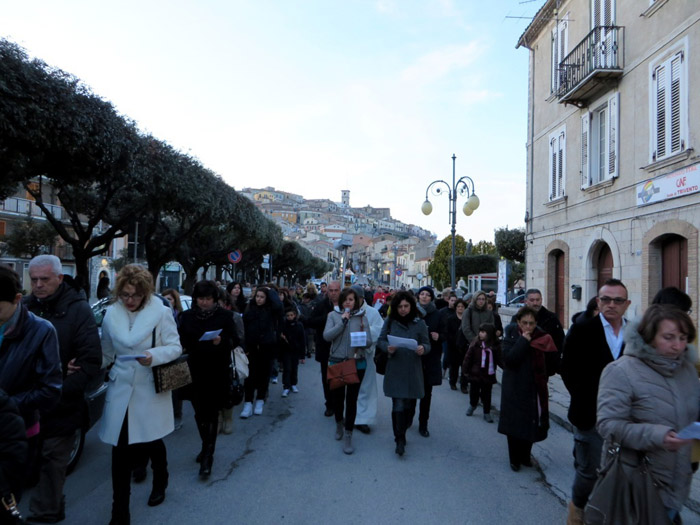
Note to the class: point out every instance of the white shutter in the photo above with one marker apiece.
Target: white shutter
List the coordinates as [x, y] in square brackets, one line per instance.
[555, 62]
[562, 164]
[659, 122]
[613, 136]
[585, 150]
[553, 162]
[674, 106]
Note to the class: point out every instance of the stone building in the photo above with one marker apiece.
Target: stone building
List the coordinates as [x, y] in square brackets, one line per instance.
[613, 171]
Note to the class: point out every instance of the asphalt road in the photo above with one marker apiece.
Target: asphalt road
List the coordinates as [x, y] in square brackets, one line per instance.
[285, 467]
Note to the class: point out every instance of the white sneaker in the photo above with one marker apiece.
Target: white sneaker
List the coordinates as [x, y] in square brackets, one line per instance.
[295, 389]
[259, 407]
[274, 380]
[247, 410]
[285, 392]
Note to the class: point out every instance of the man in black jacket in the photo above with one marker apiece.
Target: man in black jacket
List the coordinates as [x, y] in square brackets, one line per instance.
[588, 348]
[323, 347]
[57, 299]
[546, 319]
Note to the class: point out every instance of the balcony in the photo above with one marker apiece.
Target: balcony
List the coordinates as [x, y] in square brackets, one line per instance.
[17, 206]
[592, 67]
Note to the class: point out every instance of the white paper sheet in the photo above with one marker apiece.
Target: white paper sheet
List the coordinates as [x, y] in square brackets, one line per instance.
[358, 339]
[692, 431]
[402, 342]
[210, 336]
[128, 357]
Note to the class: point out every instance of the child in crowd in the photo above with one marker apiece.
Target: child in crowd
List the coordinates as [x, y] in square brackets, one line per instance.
[480, 362]
[292, 350]
[306, 311]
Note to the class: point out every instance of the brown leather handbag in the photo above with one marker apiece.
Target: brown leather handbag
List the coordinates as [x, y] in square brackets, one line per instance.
[341, 374]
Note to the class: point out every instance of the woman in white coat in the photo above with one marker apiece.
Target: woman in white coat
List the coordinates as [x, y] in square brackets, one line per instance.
[135, 418]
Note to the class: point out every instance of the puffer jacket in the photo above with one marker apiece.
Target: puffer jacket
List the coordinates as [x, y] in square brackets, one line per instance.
[642, 396]
[338, 334]
[474, 317]
[70, 314]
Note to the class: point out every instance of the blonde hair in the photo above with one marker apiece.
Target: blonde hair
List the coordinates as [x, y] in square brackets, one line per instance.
[138, 277]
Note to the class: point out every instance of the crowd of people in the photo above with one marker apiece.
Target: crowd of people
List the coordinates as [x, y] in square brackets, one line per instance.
[633, 384]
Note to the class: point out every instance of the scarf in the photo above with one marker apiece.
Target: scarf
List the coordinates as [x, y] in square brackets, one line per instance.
[541, 342]
[487, 357]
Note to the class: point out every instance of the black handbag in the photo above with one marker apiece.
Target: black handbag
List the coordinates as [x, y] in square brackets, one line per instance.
[235, 392]
[625, 492]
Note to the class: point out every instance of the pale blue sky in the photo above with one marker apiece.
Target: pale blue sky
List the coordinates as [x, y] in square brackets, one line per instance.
[313, 97]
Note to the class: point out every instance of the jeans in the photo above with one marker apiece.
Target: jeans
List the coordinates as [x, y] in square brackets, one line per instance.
[347, 395]
[588, 446]
[54, 455]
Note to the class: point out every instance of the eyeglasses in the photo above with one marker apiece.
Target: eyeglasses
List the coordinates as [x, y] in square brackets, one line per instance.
[616, 300]
[126, 296]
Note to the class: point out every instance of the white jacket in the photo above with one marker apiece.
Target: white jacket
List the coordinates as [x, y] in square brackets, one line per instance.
[130, 383]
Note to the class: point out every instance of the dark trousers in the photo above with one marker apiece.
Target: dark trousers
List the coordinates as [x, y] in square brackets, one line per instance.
[519, 451]
[125, 457]
[290, 364]
[399, 410]
[483, 391]
[424, 407]
[260, 363]
[347, 396]
[324, 383]
[177, 403]
[456, 359]
[54, 454]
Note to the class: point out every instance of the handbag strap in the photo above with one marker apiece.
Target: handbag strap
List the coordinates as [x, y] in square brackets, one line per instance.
[153, 338]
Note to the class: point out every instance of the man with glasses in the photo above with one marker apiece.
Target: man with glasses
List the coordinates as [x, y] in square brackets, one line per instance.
[588, 348]
[58, 299]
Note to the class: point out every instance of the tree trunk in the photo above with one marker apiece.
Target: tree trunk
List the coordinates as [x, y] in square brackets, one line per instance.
[188, 283]
[82, 270]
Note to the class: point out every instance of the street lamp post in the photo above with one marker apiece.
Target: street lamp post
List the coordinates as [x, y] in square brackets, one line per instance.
[458, 187]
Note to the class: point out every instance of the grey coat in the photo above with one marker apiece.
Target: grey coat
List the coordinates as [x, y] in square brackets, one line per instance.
[404, 369]
[473, 318]
[641, 397]
[338, 334]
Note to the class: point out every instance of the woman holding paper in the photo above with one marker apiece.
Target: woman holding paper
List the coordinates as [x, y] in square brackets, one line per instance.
[405, 338]
[348, 331]
[208, 334]
[648, 395]
[138, 332]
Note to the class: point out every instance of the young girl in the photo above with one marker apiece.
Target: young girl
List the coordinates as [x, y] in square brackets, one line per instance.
[292, 349]
[483, 356]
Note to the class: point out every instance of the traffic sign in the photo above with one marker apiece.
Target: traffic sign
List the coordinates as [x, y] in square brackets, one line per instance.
[419, 276]
[235, 256]
[399, 272]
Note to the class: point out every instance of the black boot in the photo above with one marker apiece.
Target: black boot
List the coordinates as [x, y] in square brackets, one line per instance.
[120, 517]
[203, 429]
[398, 421]
[208, 450]
[121, 485]
[159, 463]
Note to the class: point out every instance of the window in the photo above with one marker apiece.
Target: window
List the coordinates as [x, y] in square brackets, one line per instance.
[669, 106]
[600, 142]
[560, 48]
[557, 163]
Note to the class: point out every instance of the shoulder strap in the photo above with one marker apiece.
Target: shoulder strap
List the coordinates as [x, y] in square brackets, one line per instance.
[153, 338]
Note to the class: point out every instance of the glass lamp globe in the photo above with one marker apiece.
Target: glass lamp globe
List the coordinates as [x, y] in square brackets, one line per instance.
[426, 208]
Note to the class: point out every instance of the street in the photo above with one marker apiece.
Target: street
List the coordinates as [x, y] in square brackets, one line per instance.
[285, 467]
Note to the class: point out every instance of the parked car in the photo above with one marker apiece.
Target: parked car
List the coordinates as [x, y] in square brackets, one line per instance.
[517, 301]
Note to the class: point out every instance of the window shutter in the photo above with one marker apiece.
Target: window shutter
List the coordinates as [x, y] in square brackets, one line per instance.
[562, 164]
[675, 104]
[585, 150]
[613, 135]
[660, 113]
[553, 154]
[555, 62]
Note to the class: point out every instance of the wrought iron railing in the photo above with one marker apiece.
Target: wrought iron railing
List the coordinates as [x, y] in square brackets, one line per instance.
[28, 207]
[601, 49]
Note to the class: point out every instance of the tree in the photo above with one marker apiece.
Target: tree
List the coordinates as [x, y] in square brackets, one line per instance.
[439, 267]
[30, 238]
[511, 243]
[484, 248]
[473, 264]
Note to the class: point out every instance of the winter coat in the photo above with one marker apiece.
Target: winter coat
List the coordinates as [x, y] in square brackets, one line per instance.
[240, 328]
[13, 447]
[367, 398]
[404, 377]
[642, 396]
[262, 323]
[209, 363]
[474, 317]
[30, 365]
[295, 335]
[318, 322]
[521, 417]
[338, 333]
[472, 368]
[70, 314]
[432, 365]
[131, 384]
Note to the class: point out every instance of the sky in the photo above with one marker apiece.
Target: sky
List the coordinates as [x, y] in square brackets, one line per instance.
[314, 96]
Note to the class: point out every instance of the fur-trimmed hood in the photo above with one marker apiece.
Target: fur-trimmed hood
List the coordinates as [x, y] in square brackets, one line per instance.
[636, 347]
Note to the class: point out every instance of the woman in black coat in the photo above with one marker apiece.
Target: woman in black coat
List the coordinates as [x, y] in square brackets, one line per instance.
[209, 362]
[529, 358]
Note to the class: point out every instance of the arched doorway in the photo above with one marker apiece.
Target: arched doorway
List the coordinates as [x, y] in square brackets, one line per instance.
[604, 264]
[674, 262]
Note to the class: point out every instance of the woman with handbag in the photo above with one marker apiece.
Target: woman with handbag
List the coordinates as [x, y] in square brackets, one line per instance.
[648, 395]
[210, 363]
[349, 334]
[403, 378]
[529, 358]
[138, 333]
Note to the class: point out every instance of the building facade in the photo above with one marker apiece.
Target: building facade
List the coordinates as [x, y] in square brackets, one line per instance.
[613, 170]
